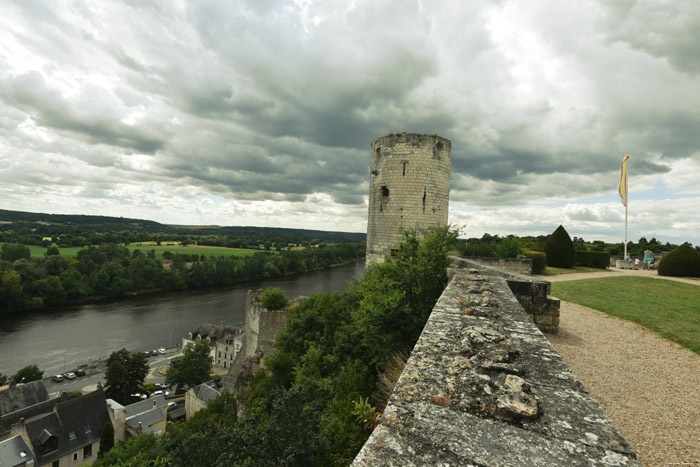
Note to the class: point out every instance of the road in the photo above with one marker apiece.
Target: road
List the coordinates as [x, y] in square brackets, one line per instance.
[88, 383]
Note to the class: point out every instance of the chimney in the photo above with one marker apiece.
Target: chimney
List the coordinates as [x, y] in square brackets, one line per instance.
[21, 421]
[221, 325]
[154, 403]
[139, 428]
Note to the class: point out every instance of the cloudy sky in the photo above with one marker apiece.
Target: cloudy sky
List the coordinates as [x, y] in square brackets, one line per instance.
[259, 112]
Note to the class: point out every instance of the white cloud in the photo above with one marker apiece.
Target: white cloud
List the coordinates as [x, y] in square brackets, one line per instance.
[259, 112]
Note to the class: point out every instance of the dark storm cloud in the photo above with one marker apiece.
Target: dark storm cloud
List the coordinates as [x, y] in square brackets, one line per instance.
[276, 100]
[29, 93]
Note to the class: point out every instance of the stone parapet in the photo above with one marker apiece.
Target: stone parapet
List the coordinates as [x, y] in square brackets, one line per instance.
[484, 387]
[532, 293]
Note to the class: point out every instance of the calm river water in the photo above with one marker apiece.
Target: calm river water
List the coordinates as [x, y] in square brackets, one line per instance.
[57, 340]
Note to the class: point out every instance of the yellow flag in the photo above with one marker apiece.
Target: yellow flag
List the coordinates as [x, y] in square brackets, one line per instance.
[623, 181]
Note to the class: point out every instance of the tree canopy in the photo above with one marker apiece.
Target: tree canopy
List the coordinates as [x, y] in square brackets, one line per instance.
[193, 367]
[28, 374]
[125, 373]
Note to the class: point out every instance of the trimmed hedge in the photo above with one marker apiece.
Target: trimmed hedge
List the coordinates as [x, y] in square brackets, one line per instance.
[560, 249]
[683, 261]
[539, 260]
[593, 259]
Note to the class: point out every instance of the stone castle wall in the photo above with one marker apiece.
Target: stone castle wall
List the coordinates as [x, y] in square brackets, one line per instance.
[409, 188]
[483, 386]
[532, 293]
[261, 328]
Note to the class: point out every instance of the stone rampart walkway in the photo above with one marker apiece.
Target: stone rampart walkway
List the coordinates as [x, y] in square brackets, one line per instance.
[648, 386]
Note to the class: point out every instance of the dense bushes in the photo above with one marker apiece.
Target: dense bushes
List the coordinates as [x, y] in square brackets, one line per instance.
[684, 261]
[274, 298]
[560, 249]
[539, 260]
[593, 259]
[491, 247]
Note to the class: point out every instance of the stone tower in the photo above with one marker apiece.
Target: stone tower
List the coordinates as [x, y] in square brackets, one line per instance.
[409, 188]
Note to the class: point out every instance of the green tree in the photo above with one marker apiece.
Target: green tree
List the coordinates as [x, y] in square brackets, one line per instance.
[28, 373]
[106, 439]
[125, 373]
[193, 367]
[15, 251]
[10, 289]
[560, 249]
[3, 378]
[52, 251]
[274, 299]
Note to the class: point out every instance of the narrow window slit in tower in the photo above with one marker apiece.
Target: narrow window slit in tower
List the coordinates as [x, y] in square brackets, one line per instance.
[404, 169]
[424, 200]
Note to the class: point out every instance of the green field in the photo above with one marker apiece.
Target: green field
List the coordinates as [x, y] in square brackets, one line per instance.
[208, 251]
[667, 308]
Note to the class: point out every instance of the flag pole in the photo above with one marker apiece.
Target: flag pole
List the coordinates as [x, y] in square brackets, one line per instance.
[626, 206]
[623, 194]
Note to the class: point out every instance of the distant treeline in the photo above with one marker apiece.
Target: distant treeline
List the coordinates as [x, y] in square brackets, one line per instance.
[511, 246]
[113, 270]
[77, 230]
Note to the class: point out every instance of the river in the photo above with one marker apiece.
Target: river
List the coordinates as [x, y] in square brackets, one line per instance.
[59, 339]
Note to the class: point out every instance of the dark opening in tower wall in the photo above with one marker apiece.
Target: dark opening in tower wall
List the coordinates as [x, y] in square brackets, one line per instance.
[385, 193]
[424, 195]
[439, 150]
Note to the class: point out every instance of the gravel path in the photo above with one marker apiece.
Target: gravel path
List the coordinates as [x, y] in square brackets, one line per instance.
[648, 386]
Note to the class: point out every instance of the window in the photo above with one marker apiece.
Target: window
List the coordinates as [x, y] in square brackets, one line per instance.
[56, 463]
[404, 168]
[87, 428]
[71, 435]
[219, 354]
[87, 451]
[75, 456]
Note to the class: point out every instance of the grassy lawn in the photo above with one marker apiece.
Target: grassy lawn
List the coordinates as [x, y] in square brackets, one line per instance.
[669, 309]
[550, 271]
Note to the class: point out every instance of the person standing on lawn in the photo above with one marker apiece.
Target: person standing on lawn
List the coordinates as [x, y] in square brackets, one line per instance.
[648, 255]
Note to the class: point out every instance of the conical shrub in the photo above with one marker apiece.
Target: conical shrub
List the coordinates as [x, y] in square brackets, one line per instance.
[683, 261]
[560, 249]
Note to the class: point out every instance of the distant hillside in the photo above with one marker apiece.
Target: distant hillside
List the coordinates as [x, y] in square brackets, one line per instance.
[78, 220]
[61, 223]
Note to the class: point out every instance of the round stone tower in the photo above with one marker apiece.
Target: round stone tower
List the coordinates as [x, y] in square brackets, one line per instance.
[409, 188]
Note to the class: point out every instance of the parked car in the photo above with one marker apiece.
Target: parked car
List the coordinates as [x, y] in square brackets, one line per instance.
[139, 396]
[69, 375]
[161, 351]
[172, 406]
[161, 392]
[79, 372]
[147, 354]
[154, 352]
[160, 386]
[57, 378]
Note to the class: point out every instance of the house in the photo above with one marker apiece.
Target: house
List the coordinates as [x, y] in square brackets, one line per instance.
[24, 402]
[15, 452]
[146, 416]
[67, 435]
[23, 395]
[227, 342]
[198, 397]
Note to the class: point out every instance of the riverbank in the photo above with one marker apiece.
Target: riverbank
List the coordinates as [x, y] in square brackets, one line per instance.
[103, 299]
[68, 336]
